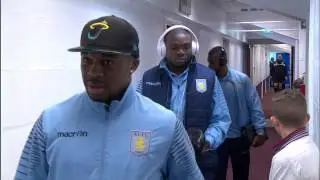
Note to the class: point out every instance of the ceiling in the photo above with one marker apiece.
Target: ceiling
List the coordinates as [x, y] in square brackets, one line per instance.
[266, 21]
[296, 9]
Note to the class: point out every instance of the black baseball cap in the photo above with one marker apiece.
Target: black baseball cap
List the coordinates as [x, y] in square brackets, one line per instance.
[218, 51]
[110, 35]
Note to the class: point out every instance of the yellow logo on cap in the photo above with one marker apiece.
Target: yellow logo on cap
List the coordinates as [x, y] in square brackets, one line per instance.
[100, 26]
[103, 25]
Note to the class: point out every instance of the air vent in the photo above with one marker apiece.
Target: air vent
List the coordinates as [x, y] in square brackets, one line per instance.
[251, 9]
[185, 7]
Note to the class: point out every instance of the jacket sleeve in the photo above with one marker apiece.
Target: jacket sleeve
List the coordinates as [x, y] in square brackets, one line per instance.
[139, 86]
[220, 121]
[181, 163]
[256, 114]
[33, 164]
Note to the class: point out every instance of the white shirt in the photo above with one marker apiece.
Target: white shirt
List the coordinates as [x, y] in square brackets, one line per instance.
[299, 160]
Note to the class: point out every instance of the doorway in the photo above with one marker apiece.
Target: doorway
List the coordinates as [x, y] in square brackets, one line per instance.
[246, 59]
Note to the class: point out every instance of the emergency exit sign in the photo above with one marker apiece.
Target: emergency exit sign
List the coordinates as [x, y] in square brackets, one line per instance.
[266, 31]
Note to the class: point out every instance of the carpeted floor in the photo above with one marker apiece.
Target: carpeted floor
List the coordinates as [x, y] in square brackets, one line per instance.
[266, 103]
[261, 157]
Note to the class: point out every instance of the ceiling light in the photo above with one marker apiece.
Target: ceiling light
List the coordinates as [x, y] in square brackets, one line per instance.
[255, 22]
[261, 30]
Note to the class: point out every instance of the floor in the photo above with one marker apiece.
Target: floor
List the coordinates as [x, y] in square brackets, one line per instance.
[266, 103]
[261, 157]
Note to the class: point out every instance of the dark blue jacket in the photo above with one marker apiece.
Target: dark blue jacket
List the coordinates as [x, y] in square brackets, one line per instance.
[198, 108]
[157, 85]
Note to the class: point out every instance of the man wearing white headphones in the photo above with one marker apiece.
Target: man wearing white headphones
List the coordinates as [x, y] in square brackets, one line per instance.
[192, 91]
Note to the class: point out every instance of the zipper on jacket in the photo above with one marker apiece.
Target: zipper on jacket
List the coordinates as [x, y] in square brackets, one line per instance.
[104, 142]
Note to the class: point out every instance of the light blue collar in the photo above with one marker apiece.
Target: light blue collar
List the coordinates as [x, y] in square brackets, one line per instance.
[115, 106]
[163, 65]
[228, 76]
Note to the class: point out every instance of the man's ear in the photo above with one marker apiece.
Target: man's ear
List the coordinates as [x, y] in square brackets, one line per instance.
[134, 65]
[307, 118]
[274, 121]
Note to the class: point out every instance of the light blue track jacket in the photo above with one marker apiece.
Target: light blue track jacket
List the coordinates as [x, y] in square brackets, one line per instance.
[132, 139]
[243, 102]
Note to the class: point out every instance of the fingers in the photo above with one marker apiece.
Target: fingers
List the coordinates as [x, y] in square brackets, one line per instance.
[254, 142]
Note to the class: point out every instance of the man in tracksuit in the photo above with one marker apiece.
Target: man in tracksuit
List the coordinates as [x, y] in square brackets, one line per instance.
[193, 92]
[280, 74]
[248, 122]
[109, 132]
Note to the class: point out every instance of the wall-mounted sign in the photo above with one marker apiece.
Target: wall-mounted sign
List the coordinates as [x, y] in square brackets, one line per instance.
[185, 7]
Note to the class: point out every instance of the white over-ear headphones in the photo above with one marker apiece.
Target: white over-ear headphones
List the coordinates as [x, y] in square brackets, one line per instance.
[161, 47]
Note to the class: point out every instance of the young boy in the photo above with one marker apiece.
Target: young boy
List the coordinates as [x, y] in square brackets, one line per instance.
[296, 156]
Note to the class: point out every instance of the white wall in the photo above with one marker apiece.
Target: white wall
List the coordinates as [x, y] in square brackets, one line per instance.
[235, 55]
[207, 40]
[302, 52]
[37, 71]
[313, 85]
[259, 63]
[296, 65]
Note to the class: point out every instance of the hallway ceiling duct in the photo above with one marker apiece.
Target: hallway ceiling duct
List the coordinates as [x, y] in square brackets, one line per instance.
[185, 7]
[297, 9]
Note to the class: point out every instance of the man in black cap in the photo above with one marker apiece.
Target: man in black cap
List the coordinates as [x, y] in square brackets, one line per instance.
[110, 131]
[248, 122]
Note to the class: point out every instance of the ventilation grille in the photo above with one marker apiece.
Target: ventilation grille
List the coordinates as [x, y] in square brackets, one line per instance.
[251, 9]
[185, 7]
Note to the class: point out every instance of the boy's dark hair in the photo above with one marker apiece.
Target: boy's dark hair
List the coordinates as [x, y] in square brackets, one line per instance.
[290, 108]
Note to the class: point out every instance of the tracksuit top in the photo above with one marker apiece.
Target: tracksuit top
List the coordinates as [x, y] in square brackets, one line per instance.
[131, 139]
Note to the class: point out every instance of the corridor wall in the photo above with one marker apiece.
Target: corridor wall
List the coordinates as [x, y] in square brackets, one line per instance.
[259, 63]
[37, 71]
[313, 73]
[235, 55]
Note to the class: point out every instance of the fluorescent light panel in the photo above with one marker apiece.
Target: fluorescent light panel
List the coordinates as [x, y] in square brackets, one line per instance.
[261, 30]
[256, 22]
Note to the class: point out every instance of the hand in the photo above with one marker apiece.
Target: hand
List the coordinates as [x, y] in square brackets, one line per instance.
[206, 147]
[259, 140]
[197, 139]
